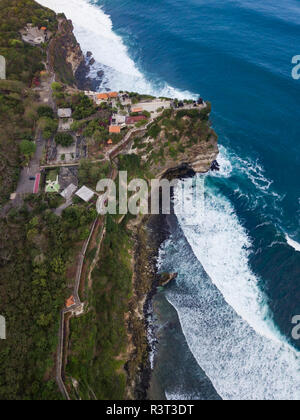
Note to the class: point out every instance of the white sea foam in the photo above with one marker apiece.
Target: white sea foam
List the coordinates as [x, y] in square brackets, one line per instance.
[221, 244]
[292, 243]
[94, 31]
[240, 363]
[180, 395]
[225, 164]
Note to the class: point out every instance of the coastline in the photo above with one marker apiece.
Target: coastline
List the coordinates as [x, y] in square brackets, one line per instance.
[162, 325]
[149, 233]
[173, 307]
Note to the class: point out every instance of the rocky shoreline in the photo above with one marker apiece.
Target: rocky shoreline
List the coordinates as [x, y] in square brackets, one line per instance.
[149, 232]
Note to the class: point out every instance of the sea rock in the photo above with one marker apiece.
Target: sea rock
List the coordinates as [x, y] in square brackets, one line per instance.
[215, 166]
[166, 278]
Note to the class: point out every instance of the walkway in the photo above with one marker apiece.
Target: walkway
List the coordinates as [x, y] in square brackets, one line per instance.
[77, 308]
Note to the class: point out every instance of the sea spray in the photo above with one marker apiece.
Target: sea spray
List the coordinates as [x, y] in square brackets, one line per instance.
[93, 29]
[240, 362]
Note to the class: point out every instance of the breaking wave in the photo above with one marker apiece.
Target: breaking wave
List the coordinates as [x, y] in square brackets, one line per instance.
[241, 362]
[222, 246]
[292, 243]
[94, 30]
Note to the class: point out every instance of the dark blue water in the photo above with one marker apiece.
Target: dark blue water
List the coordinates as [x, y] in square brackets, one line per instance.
[237, 54]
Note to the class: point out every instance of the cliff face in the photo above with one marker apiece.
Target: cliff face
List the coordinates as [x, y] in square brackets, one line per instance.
[197, 158]
[178, 142]
[66, 57]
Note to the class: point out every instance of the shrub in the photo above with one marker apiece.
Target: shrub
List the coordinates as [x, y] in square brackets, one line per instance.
[64, 139]
[45, 111]
[27, 148]
[83, 107]
[154, 131]
[48, 126]
[56, 87]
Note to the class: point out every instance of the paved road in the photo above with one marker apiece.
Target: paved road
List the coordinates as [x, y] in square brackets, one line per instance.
[64, 206]
[25, 185]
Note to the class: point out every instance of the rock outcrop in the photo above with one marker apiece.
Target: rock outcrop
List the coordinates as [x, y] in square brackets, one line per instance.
[66, 57]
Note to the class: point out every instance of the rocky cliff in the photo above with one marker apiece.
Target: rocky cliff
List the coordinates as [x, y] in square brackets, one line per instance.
[66, 57]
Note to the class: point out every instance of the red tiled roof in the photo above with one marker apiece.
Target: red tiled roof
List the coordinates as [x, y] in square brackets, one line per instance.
[133, 120]
[70, 302]
[113, 94]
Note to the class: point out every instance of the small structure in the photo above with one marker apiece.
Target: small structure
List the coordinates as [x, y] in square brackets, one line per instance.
[110, 142]
[33, 35]
[64, 112]
[113, 95]
[137, 109]
[134, 120]
[118, 119]
[114, 129]
[52, 184]
[70, 302]
[85, 194]
[68, 192]
[102, 97]
[64, 124]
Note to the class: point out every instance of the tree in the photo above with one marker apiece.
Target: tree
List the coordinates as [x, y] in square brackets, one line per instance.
[45, 111]
[27, 148]
[56, 87]
[48, 126]
[64, 139]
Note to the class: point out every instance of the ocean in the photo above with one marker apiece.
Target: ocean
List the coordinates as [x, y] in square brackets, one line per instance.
[238, 266]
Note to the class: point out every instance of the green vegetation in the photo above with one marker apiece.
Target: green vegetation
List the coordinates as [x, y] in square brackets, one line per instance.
[45, 111]
[90, 173]
[154, 130]
[17, 119]
[28, 149]
[23, 60]
[36, 249]
[57, 87]
[64, 139]
[48, 126]
[141, 123]
[18, 114]
[98, 339]
[136, 97]
[83, 106]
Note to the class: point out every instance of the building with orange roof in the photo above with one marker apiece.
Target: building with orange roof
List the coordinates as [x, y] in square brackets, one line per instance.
[115, 129]
[136, 109]
[113, 94]
[43, 28]
[70, 302]
[102, 96]
[109, 141]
